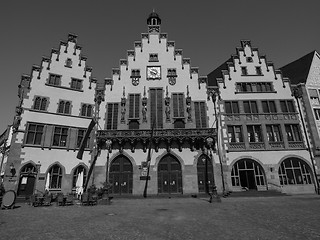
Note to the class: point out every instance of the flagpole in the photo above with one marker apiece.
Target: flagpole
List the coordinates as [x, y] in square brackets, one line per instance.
[148, 162]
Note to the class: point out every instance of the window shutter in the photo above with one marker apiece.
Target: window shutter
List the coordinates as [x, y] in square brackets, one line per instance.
[73, 138]
[48, 136]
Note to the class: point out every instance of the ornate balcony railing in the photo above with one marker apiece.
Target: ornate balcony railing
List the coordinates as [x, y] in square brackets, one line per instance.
[192, 137]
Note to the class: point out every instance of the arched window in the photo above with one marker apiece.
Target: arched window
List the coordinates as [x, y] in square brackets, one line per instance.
[76, 173]
[28, 169]
[64, 107]
[294, 171]
[40, 103]
[55, 176]
[247, 173]
[86, 110]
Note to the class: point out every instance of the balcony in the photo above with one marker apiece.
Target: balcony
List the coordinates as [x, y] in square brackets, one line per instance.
[193, 138]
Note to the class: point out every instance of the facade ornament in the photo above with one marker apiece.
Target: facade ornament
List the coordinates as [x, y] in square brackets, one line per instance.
[167, 103]
[188, 103]
[144, 106]
[123, 106]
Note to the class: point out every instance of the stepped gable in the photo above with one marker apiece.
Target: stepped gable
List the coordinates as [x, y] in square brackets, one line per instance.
[242, 57]
[154, 23]
[298, 70]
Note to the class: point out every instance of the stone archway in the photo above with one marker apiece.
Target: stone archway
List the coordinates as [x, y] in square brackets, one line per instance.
[28, 175]
[247, 173]
[169, 175]
[121, 175]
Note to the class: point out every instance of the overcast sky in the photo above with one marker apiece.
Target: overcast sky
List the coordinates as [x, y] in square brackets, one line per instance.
[207, 31]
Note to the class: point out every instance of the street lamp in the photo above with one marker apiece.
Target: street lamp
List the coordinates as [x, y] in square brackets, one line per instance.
[38, 165]
[214, 193]
[107, 186]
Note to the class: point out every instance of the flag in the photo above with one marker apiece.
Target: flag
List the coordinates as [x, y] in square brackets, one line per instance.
[85, 139]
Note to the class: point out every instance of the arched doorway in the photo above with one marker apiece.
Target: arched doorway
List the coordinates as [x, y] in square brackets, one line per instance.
[247, 173]
[121, 175]
[27, 180]
[80, 169]
[202, 169]
[169, 175]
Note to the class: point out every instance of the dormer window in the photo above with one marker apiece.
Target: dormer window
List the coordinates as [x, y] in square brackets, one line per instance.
[244, 71]
[153, 57]
[249, 59]
[258, 71]
[68, 63]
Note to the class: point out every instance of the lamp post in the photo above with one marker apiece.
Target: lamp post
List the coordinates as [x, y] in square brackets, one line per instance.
[38, 165]
[215, 95]
[107, 185]
[297, 93]
[214, 193]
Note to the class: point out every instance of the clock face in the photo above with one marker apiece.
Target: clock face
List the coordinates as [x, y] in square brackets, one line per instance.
[153, 72]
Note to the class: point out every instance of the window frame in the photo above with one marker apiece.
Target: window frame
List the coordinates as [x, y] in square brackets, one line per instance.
[79, 84]
[56, 79]
[235, 136]
[60, 138]
[37, 135]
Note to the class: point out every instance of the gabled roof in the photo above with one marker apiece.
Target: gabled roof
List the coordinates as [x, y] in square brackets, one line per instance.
[298, 70]
[217, 73]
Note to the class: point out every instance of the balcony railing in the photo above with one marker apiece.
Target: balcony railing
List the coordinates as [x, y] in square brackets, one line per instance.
[261, 116]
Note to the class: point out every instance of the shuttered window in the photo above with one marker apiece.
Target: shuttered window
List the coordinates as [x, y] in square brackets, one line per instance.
[156, 98]
[178, 106]
[134, 106]
[112, 115]
[200, 114]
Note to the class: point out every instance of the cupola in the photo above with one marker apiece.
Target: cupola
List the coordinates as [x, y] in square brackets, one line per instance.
[154, 22]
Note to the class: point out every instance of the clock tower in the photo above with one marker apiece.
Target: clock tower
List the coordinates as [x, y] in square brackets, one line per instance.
[154, 23]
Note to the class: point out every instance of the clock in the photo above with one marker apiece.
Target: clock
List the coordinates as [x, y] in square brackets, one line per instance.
[154, 72]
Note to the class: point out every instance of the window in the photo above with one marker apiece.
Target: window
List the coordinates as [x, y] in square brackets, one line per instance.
[178, 105]
[68, 63]
[86, 110]
[81, 133]
[76, 84]
[250, 107]
[179, 123]
[317, 113]
[258, 71]
[34, 133]
[112, 115]
[200, 114]
[54, 80]
[64, 107]
[274, 133]
[156, 107]
[40, 103]
[231, 107]
[134, 106]
[172, 72]
[60, 136]
[153, 57]
[135, 73]
[254, 133]
[80, 171]
[133, 124]
[235, 134]
[55, 173]
[254, 87]
[294, 171]
[269, 107]
[244, 71]
[314, 96]
[249, 59]
[293, 132]
[287, 106]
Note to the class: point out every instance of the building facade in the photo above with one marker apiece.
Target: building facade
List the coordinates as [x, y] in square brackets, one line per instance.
[262, 140]
[304, 74]
[56, 104]
[159, 124]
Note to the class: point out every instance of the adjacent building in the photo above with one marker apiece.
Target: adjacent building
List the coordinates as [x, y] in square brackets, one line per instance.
[262, 139]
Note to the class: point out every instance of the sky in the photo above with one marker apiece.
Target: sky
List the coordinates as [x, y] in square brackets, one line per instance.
[208, 31]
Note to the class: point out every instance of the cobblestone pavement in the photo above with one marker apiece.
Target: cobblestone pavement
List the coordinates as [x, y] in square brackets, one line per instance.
[286, 217]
